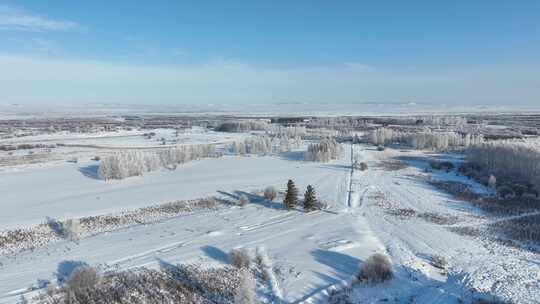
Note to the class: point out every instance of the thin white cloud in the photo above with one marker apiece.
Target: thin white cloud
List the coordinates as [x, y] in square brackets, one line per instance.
[17, 19]
[43, 81]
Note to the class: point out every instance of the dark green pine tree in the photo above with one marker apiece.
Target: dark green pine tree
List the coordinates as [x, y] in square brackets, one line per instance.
[309, 199]
[291, 197]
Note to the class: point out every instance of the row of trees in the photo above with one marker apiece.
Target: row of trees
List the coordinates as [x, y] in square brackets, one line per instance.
[424, 139]
[324, 151]
[243, 126]
[135, 163]
[264, 145]
[519, 161]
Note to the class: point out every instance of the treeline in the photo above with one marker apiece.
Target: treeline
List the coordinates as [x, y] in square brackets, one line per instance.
[264, 145]
[25, 147]
[511, 161]
[325, 151]
[135, 163]
[243, 126]
[424, 140]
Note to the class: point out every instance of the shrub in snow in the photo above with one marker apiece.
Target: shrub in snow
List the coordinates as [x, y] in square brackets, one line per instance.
[82, 279]
[439, 261]
[170, 284]
[363, 166]
[380, 148]
[309, 199]
[377, 268]
[245, 292]
[444, 165]
[320, 205]
[342, 296]
[72, 229]
[270, 193]
[505, 191]
[325, 151]
[291, 197]
[243, 200]
[492, 182]
[240, 258]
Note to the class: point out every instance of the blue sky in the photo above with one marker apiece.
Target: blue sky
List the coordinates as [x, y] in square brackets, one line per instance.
[191, 52]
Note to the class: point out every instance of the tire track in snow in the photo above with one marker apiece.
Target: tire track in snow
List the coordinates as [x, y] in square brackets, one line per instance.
[350, 190]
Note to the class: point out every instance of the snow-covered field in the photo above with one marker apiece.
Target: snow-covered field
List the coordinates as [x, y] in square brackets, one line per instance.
[312, 252]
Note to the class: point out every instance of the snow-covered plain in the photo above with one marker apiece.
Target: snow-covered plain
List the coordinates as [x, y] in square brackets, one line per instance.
[313, 252]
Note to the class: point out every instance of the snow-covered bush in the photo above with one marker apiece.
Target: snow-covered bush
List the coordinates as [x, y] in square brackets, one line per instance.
[243, 200]
[135, 163]
[82, 279]
[240, 258]
[325, 151]
[245, 293]
[377, 268]
[170, 284]
[72, 229]
[439, 261]
[492, 182]
[69, 229]
[270, 193]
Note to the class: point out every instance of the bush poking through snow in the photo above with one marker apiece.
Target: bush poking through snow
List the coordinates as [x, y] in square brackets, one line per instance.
[492, 182]
[245, 293]
[377, 268]
[363, 166]
[240, 258]
[439, 261]
[270, 193]
[170, 284]
[243, 200]
[72, 229]
[82, 279]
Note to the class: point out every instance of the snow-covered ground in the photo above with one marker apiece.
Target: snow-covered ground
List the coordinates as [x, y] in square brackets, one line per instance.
[313, 252]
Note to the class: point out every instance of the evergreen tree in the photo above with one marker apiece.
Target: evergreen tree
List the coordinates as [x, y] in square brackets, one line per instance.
[291, 197]
[309, 199]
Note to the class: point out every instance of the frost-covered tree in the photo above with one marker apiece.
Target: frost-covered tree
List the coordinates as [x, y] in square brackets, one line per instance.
[516, 160]
[309, 199]
[325, 151]
[291, 197]
[425, 139]
[263, 145]
[135, 163]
